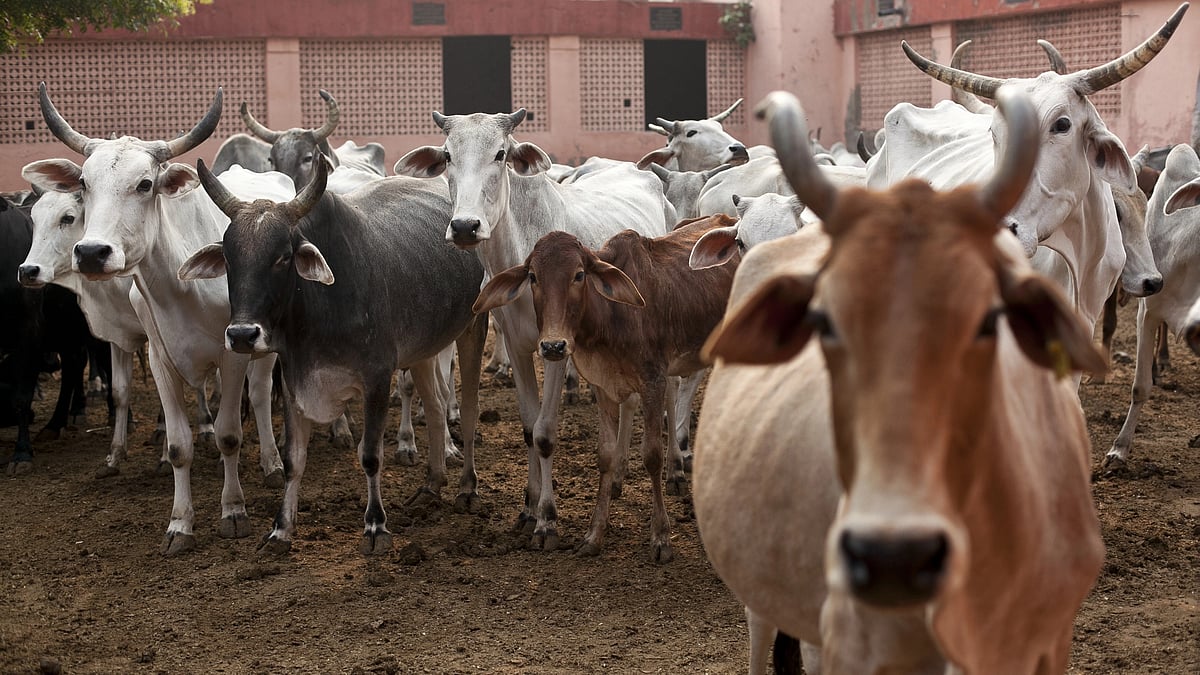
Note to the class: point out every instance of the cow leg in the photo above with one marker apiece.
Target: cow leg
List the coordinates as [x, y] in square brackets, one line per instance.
[179, 537]
[1118, 454]
[207, 438]
[762, 639]
[500, 362]
[259, 374]
[571, 386]
[676, 480]
[688, 388]
[122, 375]
[470, 357]
[1162, 361]
[653, 404]
[377, 540]
[528, 403]
[70, 387]
[1108, 329]
[22, 458]
[425, 378]
[406, 448]
[545, 439]
[297, 432]
[446, 384]
[624, 440]
[234, 523]
[608, 459]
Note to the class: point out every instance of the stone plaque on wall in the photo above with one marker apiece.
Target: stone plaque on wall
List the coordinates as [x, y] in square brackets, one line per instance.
[666, 18]
[429, 14]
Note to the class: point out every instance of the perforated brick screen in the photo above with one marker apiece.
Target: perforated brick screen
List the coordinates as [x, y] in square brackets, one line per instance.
[886, 77]
[726, 77]
[151, 90]
[529, 80]
[1008, 47]
[611, 75]
[383, 87]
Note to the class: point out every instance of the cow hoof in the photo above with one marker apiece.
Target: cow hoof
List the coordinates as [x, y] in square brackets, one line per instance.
[687, 462]
[661, 553]
[587, 550]
[1114, 465]
[571, 398]
[676, 487]
[272, 545]
[19, 467]
[503, 377]
[544, 541]
[48, 435]
[616, 489]
[175, 543]
[525, 524]
[423, 497]
[406, 457]
[107, 471]
[468, 503]
[454, 456]
[157, 438]
[206, 440]
[236, 526]
[274, 479]
[343, 441]
[376, 543]
[164, 468]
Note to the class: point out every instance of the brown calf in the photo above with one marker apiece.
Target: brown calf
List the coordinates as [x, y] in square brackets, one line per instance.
[631, 314]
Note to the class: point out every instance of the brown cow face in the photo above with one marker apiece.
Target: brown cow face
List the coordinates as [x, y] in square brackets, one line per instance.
[566, 279]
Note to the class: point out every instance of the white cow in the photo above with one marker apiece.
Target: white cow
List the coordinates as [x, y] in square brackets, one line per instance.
[861, 355]
[760, 219]
[698, 145]
[144, 218]
[1068, 225]
[502, 205]
[1174, 230]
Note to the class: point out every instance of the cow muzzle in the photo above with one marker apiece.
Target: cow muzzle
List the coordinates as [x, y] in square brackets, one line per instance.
[97, 260]
[466, 232]
[554, 350]
[895, 569]
[738, 155]
[33, 276]
[245, 338]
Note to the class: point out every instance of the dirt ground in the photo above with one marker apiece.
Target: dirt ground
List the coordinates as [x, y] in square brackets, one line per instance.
[83, 587]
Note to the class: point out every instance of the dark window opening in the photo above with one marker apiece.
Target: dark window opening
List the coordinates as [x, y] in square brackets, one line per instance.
[477, 74]
[676, 73]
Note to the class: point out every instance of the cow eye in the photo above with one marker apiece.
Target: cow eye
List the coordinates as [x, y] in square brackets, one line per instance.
[740, 244]
[82, 185]
[307, 159]
[145, 185]
[500, 156]
[579, 276]
[283, 260]
[819, 323]
[447, 156]
[67, 219]
[987, 328]
[691, 133]
[1061, 125]
[532, 278]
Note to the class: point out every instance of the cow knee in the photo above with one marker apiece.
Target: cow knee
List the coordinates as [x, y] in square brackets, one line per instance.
[370, 464]
[545, 446]
[229, 443]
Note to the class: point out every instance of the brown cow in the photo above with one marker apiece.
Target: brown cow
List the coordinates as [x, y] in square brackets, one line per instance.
[934, 389]
[630, 314]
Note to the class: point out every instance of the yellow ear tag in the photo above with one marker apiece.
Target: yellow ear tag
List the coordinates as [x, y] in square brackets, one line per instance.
[1060, 358]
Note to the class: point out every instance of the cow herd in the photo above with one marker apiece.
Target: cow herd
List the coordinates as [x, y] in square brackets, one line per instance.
[891, 465]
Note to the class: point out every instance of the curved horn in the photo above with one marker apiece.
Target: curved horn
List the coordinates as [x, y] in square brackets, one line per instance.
[311, 194]
[1141, 158]
[1093, 80]
[515, 118]
[439, 119]
[59, 127]
[789, 135]
[332, 117]
[1057, 63]
[979, 85]
[221, 196]
[864, 153]
[263, 133]
[720, 117]
[1004, 190]
[967, 100]
[200, 132]
[665, 124]
[663, 173]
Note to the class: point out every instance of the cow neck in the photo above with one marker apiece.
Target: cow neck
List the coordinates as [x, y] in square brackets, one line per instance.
[1089, 241]
[106, 306]
[535, 207]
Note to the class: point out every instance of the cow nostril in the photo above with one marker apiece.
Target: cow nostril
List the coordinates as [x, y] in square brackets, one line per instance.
[553, 349]
[28, 272]
[242, 336]
[894, 571]
[464, 225]
[1152, 285]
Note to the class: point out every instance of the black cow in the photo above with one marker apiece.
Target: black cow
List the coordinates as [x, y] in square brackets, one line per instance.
[401, 295]
[33, 324]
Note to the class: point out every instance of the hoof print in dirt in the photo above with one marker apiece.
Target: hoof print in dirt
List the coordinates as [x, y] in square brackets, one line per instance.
[412, 554]
[274, 479]
[375, 543]
[274, 546]
[234, 527]
[175, 543]
[256, 572]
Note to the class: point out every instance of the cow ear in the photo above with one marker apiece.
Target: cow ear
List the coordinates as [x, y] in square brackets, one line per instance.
[1047, 329]
[310, 264]
[613, 284]
[769, 327]
[660, 157]
[528, 159]
[716, 247]
[501, 289]
[207, 263]
[424, 162]
[178, 180]
[1185, 196]
[1109, 159]
[54, 175]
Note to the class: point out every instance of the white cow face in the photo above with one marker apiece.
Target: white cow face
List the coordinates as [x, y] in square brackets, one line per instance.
[1076, 149]
[57, 226]
[697, 145]
[476, 159]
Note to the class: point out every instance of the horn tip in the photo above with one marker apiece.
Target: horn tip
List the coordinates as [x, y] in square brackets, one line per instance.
[324, 94]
